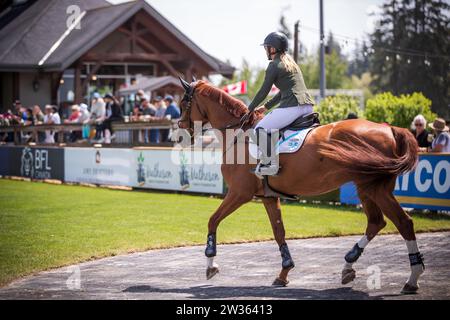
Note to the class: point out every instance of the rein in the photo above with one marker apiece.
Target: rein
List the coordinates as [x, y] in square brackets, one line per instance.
[188, 97]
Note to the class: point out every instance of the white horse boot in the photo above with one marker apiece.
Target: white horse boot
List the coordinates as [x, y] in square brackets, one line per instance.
[417, 268]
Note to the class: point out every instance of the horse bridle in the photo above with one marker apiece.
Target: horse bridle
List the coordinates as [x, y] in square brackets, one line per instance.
[188, 97]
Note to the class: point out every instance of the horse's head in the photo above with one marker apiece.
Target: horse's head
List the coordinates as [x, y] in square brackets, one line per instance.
[190, 109]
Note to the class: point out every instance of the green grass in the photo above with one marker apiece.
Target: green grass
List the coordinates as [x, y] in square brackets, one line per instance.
[44, 226]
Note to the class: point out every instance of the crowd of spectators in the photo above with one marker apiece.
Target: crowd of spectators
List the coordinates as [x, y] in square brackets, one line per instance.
[103, 111]
[435, 140]
[106, 109]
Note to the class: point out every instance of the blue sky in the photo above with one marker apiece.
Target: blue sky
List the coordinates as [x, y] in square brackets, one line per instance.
[234, 29]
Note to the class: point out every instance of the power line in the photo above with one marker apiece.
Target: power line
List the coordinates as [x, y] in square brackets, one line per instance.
[397, 50]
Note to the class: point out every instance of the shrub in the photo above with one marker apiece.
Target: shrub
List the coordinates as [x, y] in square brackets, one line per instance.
[398, 110]
[335, 108]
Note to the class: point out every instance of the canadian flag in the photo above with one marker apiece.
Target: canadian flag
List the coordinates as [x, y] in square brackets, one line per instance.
[236, 88]
[274, 90]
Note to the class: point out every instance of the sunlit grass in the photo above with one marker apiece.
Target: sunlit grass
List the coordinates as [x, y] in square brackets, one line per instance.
[44, 226]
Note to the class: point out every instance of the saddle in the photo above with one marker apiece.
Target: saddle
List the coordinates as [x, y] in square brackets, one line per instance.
[309, 120]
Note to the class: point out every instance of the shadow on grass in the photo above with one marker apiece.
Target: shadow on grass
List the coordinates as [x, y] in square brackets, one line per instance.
[254, 292]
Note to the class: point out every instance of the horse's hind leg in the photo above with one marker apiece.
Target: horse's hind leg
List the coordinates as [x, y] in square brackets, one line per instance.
[274, 211]
[375, 222]
[392, 209]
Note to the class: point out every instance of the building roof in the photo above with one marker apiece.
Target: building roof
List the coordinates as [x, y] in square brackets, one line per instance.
[39, 38]
[150, 84]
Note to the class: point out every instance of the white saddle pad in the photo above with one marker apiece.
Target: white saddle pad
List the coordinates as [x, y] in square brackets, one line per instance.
[291, 142]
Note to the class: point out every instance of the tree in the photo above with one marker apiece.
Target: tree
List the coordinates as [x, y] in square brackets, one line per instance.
[335, 71]
[360, 62]
[411, 46]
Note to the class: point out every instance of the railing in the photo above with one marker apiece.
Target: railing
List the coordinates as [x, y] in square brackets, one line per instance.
[132, 130]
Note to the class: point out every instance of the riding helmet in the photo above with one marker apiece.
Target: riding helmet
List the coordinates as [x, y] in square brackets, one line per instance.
[277, 40]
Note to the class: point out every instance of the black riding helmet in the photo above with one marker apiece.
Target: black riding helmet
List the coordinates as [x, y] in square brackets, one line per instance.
[277, 40]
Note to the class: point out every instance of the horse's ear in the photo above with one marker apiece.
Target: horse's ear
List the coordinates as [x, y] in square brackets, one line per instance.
[184, 83]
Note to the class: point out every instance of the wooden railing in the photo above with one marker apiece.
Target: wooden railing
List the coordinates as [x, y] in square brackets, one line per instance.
[63, 129]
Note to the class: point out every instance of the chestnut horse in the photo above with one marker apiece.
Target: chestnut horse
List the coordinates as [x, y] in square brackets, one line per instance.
[369, 154]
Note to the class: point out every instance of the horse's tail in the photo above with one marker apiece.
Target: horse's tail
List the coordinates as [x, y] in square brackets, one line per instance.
[368, 164]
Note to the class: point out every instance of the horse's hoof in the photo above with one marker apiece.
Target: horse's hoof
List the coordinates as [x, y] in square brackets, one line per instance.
[409, 289]
[348, 275]
[280, 282]
[211, 272]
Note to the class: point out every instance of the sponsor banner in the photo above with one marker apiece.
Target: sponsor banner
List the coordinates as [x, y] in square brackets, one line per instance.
[427, 187]
[33, 162]
[111, 166]
[5, 163]
[172, 169]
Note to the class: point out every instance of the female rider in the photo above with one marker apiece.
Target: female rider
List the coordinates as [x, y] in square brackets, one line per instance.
[293, 97]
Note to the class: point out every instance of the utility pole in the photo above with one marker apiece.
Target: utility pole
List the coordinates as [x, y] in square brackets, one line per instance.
[296, 41]
[322, 54]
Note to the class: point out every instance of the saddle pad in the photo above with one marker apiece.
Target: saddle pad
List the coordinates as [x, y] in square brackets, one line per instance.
[291, 142]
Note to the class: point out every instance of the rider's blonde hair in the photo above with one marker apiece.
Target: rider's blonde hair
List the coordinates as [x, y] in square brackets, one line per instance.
[289, 63]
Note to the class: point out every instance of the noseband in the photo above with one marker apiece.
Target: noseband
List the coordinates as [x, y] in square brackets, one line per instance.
[188, 96]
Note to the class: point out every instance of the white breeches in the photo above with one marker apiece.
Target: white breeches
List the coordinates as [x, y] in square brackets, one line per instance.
[281, 117]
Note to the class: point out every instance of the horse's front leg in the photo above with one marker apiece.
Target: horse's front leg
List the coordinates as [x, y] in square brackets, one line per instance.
[230, 203]
[274, 211]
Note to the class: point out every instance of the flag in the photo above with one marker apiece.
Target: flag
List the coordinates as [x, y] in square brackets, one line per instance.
[236, 88]
[274, 90]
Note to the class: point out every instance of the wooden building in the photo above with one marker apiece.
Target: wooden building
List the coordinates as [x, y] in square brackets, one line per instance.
[54, 51]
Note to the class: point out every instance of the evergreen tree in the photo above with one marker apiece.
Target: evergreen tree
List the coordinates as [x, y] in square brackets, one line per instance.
[411, 50]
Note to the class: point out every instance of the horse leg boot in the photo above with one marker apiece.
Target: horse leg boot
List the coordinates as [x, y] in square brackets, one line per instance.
[231, 202]
[274, 211]
[375, 222]
[405, 226]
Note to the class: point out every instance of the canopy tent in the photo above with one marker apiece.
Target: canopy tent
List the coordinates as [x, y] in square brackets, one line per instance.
[154, 84]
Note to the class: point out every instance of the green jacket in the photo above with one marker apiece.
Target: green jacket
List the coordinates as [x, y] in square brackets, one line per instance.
[292, 87]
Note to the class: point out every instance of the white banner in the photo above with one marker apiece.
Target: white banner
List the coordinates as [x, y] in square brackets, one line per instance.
[179, 170]
[100, 166]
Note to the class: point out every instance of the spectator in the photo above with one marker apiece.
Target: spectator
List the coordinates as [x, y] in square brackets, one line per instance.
[418, 128]
[172, 108]
[28, 117]
[441, 142]
[55, 115]
[114, 113]
[48, 119]
[28, 120]
[74, 117]
[18, 110]
[172, 112]
[149, 111]
[147, 108]
[38, 115]
[98, 114]
[136, 114]
[139, 97]
[155, 134]
[160, 107]
[84, 113]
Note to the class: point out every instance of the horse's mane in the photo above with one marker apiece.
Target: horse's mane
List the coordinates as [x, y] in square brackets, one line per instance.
[233, 106]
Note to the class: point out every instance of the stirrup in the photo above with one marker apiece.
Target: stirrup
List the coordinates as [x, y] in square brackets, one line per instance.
[262, 170]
